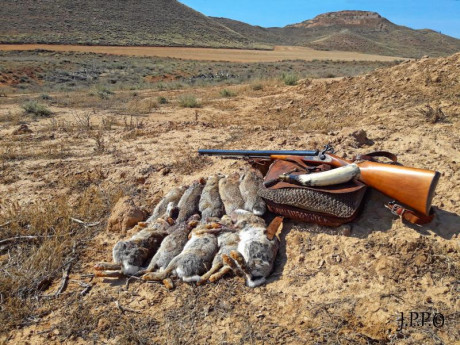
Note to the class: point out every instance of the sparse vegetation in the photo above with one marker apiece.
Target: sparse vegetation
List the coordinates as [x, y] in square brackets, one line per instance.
[37, 109]
[133, 123]
[101, 74]
[99, 141]
[290, 79]
[432, 115]
[141, 106]
[257, 87]
[42, 240]
[83, 121]
[104, 93]
[227, 93]
[188, 101]
[162, 100]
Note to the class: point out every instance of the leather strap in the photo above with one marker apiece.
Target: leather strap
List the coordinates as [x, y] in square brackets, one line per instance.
[409, 215]
[370, 156]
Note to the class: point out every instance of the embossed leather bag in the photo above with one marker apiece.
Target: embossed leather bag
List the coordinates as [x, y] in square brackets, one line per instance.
[331, 205]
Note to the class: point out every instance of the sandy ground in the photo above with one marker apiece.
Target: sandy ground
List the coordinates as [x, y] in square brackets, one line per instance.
[326, 287]
[209, 54]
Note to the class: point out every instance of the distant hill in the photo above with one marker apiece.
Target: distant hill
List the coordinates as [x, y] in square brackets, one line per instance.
[114, 22]
[170, 23]
[360, 31]
[364, 31]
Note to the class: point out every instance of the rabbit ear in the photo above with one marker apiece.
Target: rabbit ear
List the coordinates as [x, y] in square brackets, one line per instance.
[274, 228]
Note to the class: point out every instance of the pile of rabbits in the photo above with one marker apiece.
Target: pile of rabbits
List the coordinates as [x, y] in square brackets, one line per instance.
[201, 233]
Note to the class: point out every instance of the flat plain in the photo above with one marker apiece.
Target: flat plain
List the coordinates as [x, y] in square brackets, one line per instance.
[279, 53]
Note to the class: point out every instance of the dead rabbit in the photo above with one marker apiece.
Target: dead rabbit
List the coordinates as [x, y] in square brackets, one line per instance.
[257, 248]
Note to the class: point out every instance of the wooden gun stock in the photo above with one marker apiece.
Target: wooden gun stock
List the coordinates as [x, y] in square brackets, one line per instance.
[411, 186]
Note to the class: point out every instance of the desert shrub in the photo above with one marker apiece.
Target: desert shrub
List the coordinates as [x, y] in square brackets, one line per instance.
[99, 142]
[227, 93]
[162, 100]
[432, 115]
[290, 79]
[132, 123]
[141, 106]
[104, 93]
[35, 108]
[188, 101]
[83, 121]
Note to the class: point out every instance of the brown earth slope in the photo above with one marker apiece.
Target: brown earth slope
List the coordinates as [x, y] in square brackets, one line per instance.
[327, 287]
[100, 22]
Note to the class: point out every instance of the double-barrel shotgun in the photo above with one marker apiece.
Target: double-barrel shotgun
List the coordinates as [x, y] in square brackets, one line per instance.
[412, 187]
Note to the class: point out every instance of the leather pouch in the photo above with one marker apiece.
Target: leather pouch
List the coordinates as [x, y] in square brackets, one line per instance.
[331, 205]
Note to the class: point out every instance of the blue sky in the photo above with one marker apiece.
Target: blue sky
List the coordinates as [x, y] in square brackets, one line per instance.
[438, 15]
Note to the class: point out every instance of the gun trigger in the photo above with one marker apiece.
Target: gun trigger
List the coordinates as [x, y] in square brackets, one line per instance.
[327, 149]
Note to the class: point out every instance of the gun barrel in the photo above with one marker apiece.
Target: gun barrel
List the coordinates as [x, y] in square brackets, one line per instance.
[256, 154]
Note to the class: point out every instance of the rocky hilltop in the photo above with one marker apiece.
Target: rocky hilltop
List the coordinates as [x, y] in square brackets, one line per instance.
[355, 18]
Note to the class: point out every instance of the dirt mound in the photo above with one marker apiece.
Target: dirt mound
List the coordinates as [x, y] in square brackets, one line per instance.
[124, 216]
[400, 93]
[409, 84]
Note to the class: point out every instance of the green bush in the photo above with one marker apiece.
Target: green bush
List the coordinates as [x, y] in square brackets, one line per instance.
[227, 93]
[189, 101]
[104, 93]
[35, 108]
[162, 100]
[290, 79]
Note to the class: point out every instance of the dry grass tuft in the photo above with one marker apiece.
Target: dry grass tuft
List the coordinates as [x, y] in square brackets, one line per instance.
[227, 93]
[432, 115]
[85, 322]
[188, 101]
[141, 106]
[14, 118]
[38, 242]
